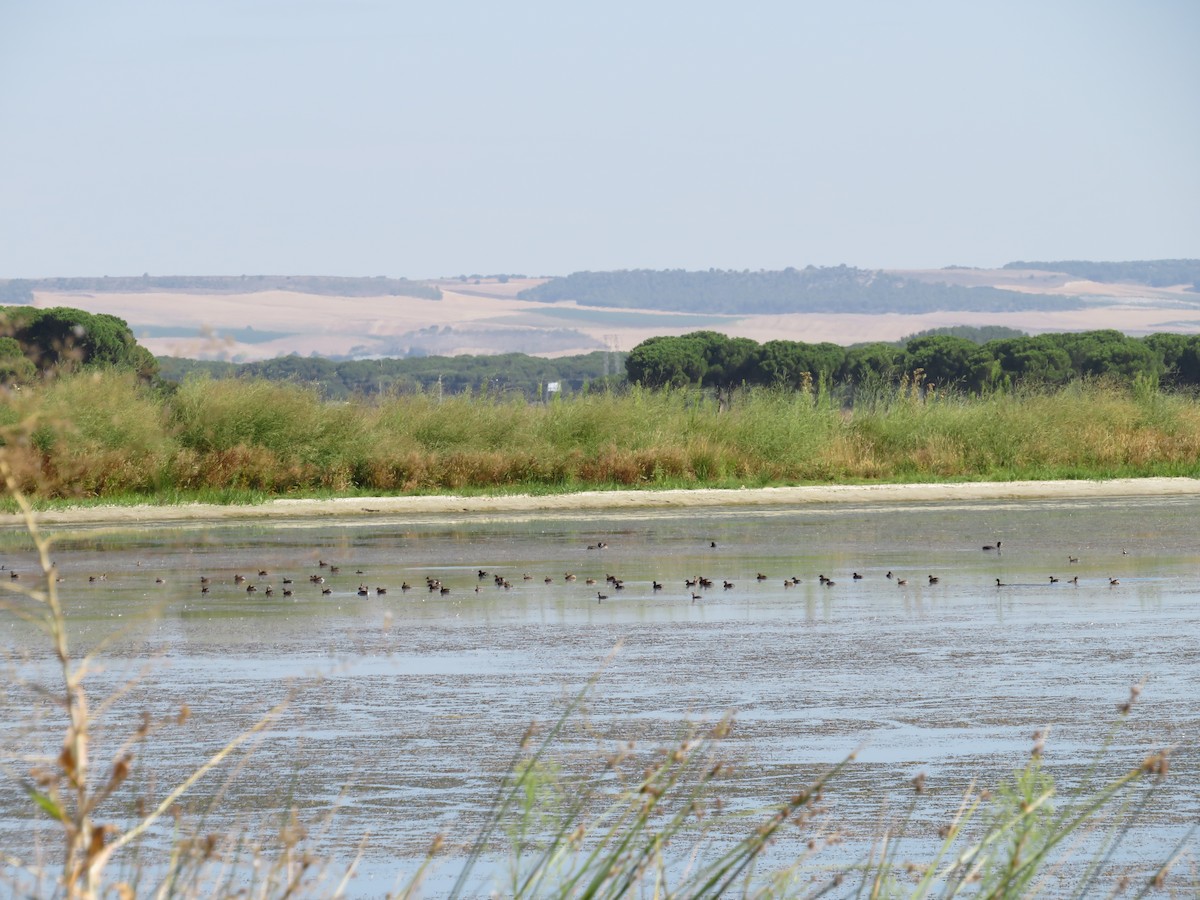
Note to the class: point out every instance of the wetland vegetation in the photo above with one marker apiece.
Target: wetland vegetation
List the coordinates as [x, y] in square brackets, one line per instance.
[109, 435]
[564, 822]
[84, 415]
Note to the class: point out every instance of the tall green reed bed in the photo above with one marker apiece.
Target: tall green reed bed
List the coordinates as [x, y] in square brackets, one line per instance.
[106, 435]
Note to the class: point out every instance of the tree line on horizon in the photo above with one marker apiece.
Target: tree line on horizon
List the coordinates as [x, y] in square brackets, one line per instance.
[499, 374]
[505, 373]
[37, 343]
[1150, 272]
[967, 358]
[832, 289]
[21, 290]
[711, 359]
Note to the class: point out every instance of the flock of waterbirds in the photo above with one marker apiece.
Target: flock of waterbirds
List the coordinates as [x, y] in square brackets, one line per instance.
[325, 579]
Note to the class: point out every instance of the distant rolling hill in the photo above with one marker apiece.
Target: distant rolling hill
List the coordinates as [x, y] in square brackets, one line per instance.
[246, 318]
[843, 289]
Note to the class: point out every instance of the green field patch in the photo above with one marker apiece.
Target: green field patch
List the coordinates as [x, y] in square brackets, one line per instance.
[248, 335]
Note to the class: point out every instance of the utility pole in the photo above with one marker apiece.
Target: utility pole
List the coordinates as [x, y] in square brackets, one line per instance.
[611, 350]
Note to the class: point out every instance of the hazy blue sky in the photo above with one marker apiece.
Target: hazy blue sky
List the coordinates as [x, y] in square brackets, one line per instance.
[364, 138]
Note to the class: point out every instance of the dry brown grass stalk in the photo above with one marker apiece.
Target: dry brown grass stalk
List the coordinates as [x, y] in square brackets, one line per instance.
[70, 788]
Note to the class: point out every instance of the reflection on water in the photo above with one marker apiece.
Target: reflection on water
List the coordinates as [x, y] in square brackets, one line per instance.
[407, 707]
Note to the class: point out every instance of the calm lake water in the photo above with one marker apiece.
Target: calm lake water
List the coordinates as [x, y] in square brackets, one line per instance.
[407, 708]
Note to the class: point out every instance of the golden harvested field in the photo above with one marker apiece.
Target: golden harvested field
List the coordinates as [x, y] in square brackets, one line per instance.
[488, 318]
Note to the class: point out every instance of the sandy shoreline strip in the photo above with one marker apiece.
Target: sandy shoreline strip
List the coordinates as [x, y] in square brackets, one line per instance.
[365, 507]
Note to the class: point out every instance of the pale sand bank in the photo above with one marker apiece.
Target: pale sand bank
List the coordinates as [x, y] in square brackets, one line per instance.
[365, 507]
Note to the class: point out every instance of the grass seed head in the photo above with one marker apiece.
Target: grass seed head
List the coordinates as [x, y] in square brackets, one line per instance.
[1157, 764]
[120, 770]
[1135, 691]
[66, 761]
